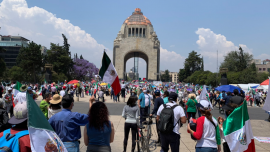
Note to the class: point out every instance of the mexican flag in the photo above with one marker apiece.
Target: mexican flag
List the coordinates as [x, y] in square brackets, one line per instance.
[17, 88]
[42, 136]
[108, 74]
[237, 130]
[96, 87]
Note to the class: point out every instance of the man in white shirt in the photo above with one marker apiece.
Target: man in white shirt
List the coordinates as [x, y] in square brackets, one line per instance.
[173, 138]
[63, 91]
[21, 96]
[123, 89]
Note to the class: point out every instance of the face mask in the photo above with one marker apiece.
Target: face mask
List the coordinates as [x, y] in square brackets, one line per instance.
[144, 91]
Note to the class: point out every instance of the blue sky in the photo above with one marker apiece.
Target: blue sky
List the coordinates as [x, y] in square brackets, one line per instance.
[221, 25]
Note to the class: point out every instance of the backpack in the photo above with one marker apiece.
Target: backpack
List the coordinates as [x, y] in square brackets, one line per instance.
[10, 142]
[166, 121]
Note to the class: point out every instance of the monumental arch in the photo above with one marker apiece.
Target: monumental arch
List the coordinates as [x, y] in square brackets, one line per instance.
[137, 38]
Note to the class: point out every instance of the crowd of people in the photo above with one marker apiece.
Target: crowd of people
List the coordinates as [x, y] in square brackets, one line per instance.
[173, 106]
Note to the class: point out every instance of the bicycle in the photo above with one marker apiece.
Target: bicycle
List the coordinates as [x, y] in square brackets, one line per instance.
[144, 133]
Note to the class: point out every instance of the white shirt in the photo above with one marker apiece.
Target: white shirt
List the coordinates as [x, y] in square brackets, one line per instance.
[146, 100]
[198, 99]
[123, 86]
[178, 113]
[62, 93]
[52, 112]
[20, 97]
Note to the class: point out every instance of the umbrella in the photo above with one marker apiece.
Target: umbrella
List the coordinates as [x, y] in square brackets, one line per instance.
[266, 82]
[104, 84]
[73, 81]
[93, 81]
[227, 88]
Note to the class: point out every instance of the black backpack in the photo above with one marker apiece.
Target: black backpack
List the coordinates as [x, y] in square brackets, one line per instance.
[166, 120]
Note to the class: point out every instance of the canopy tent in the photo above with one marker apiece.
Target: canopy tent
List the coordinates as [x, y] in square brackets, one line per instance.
[254, 87]
[266, 82]
[263, 87]
[227, 88]
[73, 81]
[246, 87]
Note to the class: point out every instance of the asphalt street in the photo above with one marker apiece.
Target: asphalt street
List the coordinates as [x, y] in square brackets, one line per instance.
[255, 113]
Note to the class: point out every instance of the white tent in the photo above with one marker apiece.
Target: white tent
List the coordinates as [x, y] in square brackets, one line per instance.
[245, 87]
[263, 87]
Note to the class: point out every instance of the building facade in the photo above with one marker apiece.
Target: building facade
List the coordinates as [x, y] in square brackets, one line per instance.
[12, 45]
[137, 39]
[262, 66]
[174, 76]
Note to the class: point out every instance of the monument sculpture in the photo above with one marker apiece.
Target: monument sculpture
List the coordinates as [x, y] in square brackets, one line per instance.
[137, 39]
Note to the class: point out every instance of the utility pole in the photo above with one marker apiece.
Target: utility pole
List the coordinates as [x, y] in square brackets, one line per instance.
[217, 70]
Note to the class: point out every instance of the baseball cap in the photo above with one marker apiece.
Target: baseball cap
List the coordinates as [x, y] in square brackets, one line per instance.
[29, 88]
[157, 92]
[9, 89]
[204, 105]
[20, 113]
[173, 96]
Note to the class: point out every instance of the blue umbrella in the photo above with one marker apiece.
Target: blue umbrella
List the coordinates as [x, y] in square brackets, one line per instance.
[227, 88]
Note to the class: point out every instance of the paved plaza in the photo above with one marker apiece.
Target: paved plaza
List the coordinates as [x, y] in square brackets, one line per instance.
[260, 127]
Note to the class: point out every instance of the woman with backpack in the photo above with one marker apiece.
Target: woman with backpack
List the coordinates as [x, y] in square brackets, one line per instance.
[191, 110]
[131, 114]
[207, 130]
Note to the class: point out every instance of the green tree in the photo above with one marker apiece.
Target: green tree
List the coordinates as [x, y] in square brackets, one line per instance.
[192, 63]
[17, 74]
[59, 57]
[81, 57]
[61, 77]
[167, 76]
[181, 75]
[31, 60]
[237, 60]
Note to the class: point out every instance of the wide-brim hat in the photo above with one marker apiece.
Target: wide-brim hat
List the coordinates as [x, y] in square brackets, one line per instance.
[23, 88]
[56, 99]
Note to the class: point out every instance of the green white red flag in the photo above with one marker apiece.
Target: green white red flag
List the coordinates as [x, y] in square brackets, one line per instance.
[17, 88]
[237, 130]
[42, 136]
[108, 74]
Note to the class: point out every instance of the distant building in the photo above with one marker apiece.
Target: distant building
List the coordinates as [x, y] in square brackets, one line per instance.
[174, 76]
[262, 66]
[12, 45]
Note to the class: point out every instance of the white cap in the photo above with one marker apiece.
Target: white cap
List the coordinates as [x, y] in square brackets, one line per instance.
[204, 105]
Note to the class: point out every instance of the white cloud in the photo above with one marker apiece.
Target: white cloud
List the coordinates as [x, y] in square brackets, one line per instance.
[171, 60]
[43, 27]
[209, 42]
[262, 56]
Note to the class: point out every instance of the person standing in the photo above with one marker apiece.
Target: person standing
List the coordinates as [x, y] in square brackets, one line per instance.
[21, 96]
[55, 105]
[3, 117]
[191, 110]
[63, 91]
[172, 138]
[123, 89]
[53, 89]
[236, 99]
[1, 90]
[19, 131]
[44, 104]
[9, 104]
[67, 124]
[157, 102]
[207, 130]
[144, 105]
[131, 114]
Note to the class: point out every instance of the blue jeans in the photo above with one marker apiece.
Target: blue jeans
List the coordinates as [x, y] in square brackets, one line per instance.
[206, 149]
[72, 146]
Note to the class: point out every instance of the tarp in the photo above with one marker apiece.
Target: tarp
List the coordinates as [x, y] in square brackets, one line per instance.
[227, 88]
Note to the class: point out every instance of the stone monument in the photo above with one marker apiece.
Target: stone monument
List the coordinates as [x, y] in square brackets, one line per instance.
[137, 38]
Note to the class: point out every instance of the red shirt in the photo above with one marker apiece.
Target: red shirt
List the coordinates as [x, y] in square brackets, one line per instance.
[23, 141]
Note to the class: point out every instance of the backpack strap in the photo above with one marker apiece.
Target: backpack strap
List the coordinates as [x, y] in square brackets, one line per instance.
[17, 135]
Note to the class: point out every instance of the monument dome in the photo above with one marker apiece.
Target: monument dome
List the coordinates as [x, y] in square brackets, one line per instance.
[137, 18]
